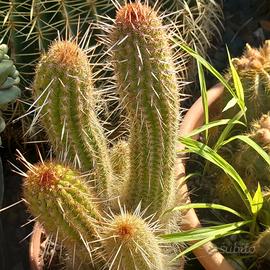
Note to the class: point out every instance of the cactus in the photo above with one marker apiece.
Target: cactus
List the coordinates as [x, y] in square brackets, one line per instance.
[199, 22]
[64, 202]
[64, 91]
[253, 70]
[129, 243]
[139, 170]
[29, 26]
[148, 89]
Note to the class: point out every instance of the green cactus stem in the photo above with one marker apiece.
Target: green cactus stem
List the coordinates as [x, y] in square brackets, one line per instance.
[64, 91]
[64, 204]
[129, 243]
[148, 89]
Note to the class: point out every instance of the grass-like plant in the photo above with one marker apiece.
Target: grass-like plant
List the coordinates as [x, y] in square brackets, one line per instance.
[248, 204]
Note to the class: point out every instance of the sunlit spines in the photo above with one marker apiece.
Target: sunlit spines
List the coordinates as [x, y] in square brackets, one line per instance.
[30, 26]
[253, 68]
[64, 204]
[148, 90]
[64, 92]
[128, 242]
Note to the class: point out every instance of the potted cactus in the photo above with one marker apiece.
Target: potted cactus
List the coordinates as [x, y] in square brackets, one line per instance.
[106, 204]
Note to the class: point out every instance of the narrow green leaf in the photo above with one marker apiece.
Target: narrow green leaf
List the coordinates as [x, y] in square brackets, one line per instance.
[209, 154]
[206, 240]
[237, 84]
[232, 102]
[203, 232]
[251, 143]
[257, 201]
[204, 96]
[206, 205]
[212, 124]
[205, 63]
[227, 130]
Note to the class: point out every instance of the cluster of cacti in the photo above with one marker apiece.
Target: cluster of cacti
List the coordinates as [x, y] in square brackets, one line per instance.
[253, 69]
[111, 217]
[29, 26]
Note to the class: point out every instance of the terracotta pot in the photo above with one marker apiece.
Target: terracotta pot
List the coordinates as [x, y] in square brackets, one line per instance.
[208, 255]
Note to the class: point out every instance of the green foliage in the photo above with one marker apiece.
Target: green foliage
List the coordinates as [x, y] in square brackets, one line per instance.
[242, 181]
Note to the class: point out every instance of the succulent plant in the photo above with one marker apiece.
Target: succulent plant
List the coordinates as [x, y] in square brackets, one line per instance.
[252, 170]
[9, 92]
[107, 235]
[253, 70]
[9, 79]
[29, 26]
[64, 91]
[65, 204]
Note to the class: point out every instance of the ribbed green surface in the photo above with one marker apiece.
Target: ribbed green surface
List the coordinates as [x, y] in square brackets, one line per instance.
[64, 205]
[129, 244]
[29, 26]
[148, 89]
[64, 90]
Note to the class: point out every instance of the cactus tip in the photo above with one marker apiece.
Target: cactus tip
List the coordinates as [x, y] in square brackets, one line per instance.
[134, 15]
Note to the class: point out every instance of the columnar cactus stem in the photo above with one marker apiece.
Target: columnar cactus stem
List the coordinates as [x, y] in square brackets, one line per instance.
[129, 243]
[62, 201]
[64, 91]
[149, 91]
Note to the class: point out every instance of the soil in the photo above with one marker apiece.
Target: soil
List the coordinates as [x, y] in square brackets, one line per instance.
[245, 21]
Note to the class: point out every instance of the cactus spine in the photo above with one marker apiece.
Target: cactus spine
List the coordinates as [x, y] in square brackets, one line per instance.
[64, 90]
[129, 243]
[253, 69]
[62, 200]
[29, 26]
[148, 88]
